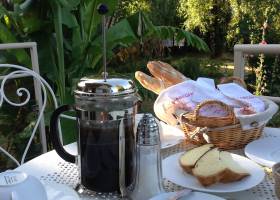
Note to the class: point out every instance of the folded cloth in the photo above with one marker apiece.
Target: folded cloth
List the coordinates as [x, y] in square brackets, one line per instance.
[185, 96]
[174, 98]
[205, 90]
[257, 119]
[238, 93]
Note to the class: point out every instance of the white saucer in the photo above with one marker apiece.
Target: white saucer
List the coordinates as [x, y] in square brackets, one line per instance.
[173, 172]
[169, 135]
[57, 191]
[265, 151]
[191, 196]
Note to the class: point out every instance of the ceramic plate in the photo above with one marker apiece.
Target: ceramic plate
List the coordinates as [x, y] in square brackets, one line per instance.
[169, 135]
[191, 196]
[173, 172]
[60, 192]
[265, 151]
[271, 132]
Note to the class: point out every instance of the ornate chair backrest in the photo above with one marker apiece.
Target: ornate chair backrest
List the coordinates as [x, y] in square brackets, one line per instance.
[40, 85]
[20, 72]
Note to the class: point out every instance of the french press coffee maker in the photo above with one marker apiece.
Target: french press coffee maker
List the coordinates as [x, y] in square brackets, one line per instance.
[105, 109]
[106, 139]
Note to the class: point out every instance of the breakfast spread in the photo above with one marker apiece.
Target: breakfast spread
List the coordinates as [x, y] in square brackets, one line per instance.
[210, 165]
[179, 94]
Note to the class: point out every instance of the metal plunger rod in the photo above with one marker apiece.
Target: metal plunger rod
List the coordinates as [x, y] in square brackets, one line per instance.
[102, 10]
[104, 47]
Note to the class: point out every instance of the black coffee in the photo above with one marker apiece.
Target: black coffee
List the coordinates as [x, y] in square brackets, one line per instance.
[99, 154]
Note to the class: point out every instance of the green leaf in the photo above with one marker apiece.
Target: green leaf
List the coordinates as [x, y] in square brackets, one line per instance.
[3, 11]
[96, 58]
[68, 19]
[168, 32]
[6, 36]
[46, 53]
[31, 23]
[120, 34]
[57, 18]
[147, 23]
[141, 24]
[26, 133]
[77, 44]
[69, 4]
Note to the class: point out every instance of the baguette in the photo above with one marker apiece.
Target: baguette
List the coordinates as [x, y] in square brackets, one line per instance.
[165, 72]
[151, 83]
[164, 76]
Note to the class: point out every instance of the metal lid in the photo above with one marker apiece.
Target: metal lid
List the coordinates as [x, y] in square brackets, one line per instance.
[148, 131]
[89, 86]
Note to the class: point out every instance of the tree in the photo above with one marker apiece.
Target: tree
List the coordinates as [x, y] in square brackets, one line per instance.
[224, 23]
[209, 17]
[248, 18]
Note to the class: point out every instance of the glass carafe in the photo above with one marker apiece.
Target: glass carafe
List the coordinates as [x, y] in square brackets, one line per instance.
[106, 140]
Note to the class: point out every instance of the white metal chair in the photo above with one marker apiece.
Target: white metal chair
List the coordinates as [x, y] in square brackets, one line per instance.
[42, 89]
[19, 73]
[240, 50]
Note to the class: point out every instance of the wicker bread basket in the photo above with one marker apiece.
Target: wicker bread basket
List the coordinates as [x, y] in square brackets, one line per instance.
[224, 132]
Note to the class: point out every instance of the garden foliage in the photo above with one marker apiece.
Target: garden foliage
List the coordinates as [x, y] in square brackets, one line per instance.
[68, 35]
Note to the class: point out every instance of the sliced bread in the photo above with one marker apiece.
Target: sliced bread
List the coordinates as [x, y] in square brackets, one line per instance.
[189, 159]
[218, 166]
[234, 171]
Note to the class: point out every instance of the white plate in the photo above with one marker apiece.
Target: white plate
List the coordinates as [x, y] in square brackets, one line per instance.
[169, 135]
[173, 172]
[191, 196]
[271, 132]
[265, 151]
[60, 192]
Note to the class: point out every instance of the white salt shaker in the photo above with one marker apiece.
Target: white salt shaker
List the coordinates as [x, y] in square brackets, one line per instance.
[148, 182]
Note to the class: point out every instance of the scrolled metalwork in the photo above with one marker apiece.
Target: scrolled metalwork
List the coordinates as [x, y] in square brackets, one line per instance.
[21, 72]
[20, 91]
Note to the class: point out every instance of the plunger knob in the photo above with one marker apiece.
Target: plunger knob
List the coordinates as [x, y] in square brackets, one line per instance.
[102, 9]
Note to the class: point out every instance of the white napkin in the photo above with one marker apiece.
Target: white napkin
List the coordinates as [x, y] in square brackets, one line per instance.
[263, 110]
[238, 93]
[177, 97]
[185, 96]
[257, 119]
[205, 90]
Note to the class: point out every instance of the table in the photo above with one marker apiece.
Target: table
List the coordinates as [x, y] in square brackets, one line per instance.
[49, 167]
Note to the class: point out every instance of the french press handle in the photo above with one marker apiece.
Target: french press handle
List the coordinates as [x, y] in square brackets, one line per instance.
[54, 133]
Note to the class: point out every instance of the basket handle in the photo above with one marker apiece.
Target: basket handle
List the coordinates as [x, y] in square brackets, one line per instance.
[214, 102]
[236, 79]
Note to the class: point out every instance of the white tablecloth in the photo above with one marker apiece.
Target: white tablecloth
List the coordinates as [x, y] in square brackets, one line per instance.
[49, 167]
